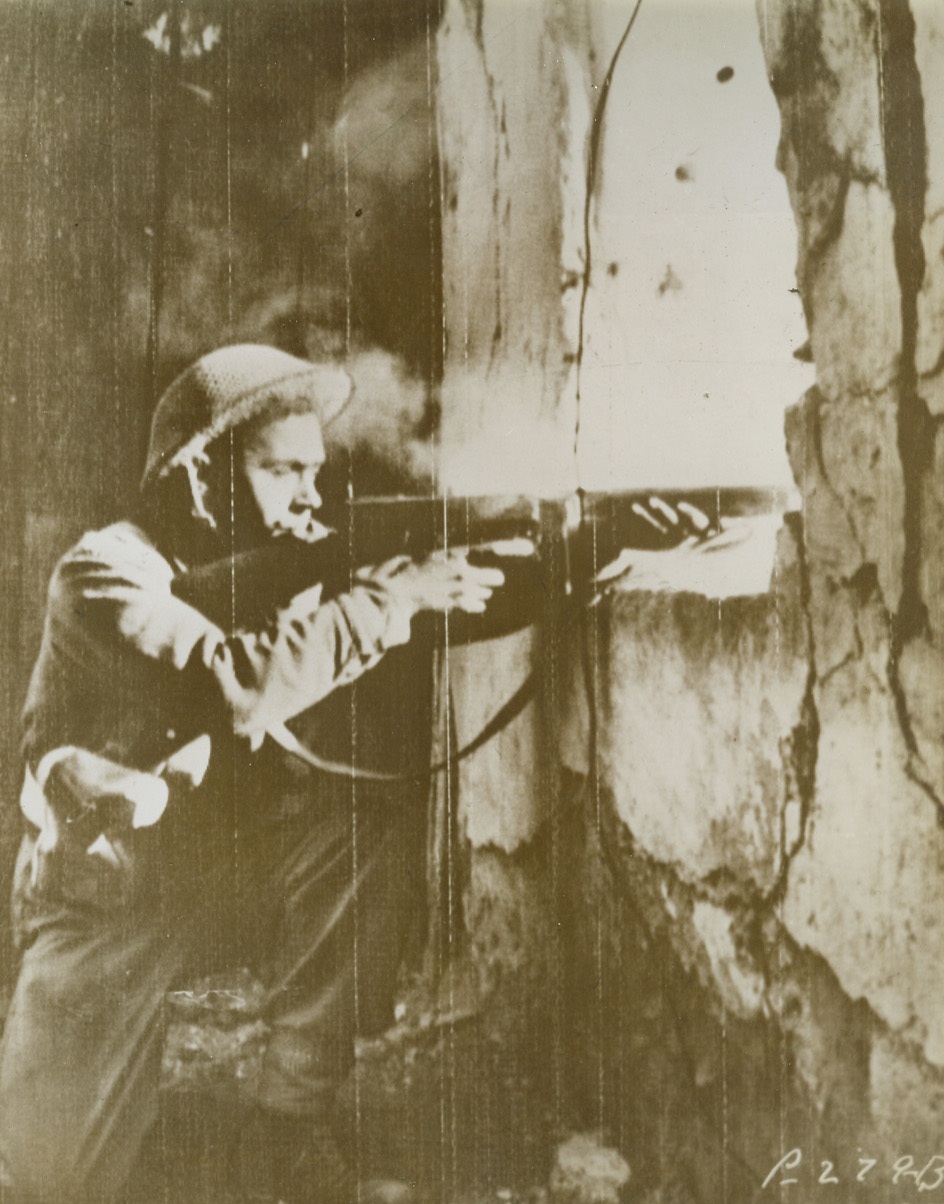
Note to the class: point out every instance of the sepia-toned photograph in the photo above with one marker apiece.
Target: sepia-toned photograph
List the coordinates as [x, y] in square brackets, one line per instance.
[472, 601]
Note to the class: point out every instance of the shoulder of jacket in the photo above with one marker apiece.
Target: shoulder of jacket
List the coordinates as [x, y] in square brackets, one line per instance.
[122, 546]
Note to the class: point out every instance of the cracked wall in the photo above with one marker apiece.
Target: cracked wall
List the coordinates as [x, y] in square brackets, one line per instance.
[753, 909]
[865, 892]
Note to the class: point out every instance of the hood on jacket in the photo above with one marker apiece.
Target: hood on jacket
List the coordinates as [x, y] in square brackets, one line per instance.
[229, 387]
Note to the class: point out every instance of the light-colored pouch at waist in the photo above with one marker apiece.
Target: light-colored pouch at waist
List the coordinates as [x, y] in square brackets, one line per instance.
[90, 804]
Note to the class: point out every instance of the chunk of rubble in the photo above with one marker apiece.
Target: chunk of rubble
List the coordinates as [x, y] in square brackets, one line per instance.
[587, 1172]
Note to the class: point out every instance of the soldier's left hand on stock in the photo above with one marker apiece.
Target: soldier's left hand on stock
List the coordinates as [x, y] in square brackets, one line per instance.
[689, 535]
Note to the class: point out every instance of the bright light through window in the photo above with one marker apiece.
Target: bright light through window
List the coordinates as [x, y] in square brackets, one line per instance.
[692, 317]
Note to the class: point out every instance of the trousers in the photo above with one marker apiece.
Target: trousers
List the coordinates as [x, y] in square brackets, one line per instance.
[313, 889]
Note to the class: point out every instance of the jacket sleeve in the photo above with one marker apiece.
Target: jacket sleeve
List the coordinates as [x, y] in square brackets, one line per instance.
[118, 589]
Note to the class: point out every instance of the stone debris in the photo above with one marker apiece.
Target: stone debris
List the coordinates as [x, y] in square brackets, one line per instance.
[214, 1036]
[586, 1172]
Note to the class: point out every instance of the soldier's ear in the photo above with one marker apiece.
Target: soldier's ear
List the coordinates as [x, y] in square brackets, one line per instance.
[198, 483]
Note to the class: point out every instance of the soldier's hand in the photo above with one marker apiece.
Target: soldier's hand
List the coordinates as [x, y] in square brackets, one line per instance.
[699, 563]
[443, 581]
[674, 524]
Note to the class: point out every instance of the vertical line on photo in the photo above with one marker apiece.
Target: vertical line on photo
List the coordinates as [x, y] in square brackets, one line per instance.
[346, 180]
[229, 27]
[447, 1115]
[559, 939]
[355, 870]
[434, 182]
[725, 1135]
[665, 1155]
[231, 439]
[162, 117]
[446, 1112]
[450, 800]
[355, 859]
[601, 838]
[443, 925]
[116, 236]
[783, 1038]
[303, 240]
[435, 118]
[452, 742]
[778, 965]
[720, 616]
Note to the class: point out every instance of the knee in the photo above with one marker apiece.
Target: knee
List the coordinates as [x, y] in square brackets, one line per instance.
[49, 1182]
[49, 1157]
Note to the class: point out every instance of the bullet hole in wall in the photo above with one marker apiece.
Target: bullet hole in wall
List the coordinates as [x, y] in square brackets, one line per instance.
[670, 282]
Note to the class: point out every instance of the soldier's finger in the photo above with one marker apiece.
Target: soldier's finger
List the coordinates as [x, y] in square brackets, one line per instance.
[508, 547]
[471, 606]
[650, 518]
[669, 513]
[476, 592]
[699, 520]
[480, 575]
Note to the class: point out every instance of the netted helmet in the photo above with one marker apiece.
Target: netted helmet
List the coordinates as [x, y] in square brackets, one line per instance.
[232, 386]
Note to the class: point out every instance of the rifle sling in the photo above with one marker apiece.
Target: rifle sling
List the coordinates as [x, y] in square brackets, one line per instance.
[502, 717]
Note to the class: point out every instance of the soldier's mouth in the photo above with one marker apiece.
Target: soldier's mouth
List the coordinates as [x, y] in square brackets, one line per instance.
[307, 528]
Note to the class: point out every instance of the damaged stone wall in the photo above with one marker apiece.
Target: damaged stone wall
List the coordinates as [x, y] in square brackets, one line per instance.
[861, 94]
[745, 877]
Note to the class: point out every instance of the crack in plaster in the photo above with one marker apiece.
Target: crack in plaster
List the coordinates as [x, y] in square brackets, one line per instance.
[849, 659]
[801, 749]
[904, 138]
[498, 121]
[905, 143]
[593, 156]
[815, 429]
[675, 964]
[929, 375]
[919, 777]
[475, 14]
[831, 227]
[718, 889]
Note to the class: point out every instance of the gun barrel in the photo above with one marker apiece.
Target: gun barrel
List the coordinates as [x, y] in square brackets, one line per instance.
[376, 528]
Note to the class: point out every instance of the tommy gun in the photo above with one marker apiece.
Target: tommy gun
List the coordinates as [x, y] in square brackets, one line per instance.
[574, 538]
[570, 541]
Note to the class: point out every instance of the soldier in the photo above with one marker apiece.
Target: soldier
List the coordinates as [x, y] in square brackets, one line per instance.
[170, 832]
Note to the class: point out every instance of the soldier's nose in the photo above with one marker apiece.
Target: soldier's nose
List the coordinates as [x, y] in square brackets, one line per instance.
[307, 494]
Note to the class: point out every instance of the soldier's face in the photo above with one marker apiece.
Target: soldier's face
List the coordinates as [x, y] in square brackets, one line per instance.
[281, 460]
